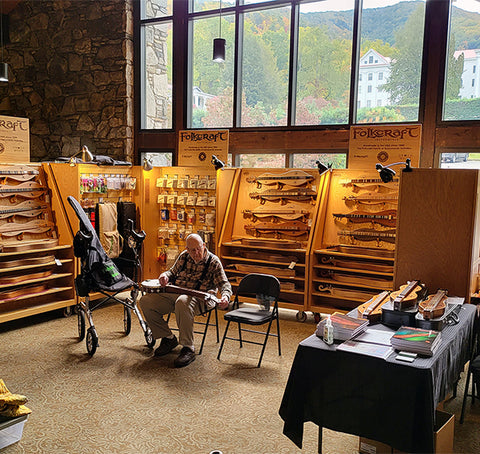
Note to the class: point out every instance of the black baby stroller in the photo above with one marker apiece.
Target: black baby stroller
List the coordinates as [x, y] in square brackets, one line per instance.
[98, 273]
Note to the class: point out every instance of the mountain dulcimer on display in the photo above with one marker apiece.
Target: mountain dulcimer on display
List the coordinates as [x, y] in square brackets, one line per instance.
[289, 178]
[17, 229]
[359, 265]
[28, 189]
[371, 184]
[273, 195]
[387, 218]
[292, 228]
[370, 198]
[18, 172]
[408, 295]
[372, 309]
[434, 305]
[276, 214]
[369, 235]
[27, 208]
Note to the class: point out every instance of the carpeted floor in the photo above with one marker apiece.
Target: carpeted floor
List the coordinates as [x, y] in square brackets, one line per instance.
[123, 400]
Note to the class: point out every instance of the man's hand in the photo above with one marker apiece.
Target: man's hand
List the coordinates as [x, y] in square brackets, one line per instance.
[163, 279]
[223, 303]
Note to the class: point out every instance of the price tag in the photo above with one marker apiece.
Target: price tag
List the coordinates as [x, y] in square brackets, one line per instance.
[292, 265]
[58, 262]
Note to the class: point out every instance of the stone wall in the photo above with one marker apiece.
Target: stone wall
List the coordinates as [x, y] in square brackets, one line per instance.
[71, 73]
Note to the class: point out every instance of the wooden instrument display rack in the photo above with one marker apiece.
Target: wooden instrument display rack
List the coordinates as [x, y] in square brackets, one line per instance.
[347, 270]
[36, 268]
[275, 252]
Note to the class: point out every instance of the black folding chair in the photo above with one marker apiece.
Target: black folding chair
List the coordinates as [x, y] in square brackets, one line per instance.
[265, 289]
[205, 323]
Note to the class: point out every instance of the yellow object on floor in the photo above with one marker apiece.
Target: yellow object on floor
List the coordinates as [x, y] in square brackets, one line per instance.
[12, 405]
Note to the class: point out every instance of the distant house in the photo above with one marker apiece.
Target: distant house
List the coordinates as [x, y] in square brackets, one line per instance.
[470, 77]
[374, 71]
[200, 98]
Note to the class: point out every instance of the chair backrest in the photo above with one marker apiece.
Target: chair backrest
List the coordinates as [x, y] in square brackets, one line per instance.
[259, 286]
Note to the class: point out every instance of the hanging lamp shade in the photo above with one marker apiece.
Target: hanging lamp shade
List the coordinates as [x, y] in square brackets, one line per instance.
[3, 72]
[219, 50]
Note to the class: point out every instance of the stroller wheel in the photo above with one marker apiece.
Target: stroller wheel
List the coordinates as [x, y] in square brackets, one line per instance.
[127, 320]
[92, 341]
[149, 337]
[81, 324]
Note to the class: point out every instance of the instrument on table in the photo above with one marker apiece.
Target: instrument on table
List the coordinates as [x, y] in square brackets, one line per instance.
[18, 173]
[29, 189]
[288, 214]
[408, 295]
[27, 208]
[370, 235]
[372, 309]
[387, 218]
[153, 286]
[434, 305]
[299, 194]
[292, 228]
[290, 178]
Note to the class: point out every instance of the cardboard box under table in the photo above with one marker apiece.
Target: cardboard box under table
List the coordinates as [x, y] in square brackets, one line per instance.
[444, 430]
[11, 430]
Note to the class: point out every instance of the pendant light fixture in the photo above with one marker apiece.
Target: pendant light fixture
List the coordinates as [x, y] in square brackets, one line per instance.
[219, 43]
[3, 66]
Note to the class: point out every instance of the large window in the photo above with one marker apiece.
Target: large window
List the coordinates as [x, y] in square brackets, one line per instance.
[462, 94]
[288, 62]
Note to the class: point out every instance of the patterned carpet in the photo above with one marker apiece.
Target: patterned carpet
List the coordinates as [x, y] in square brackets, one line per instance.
[122, 400]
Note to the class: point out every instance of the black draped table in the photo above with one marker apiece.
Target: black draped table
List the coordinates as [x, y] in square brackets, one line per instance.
[382, 399]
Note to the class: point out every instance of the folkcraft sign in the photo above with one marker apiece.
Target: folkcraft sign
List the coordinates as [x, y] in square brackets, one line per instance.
[384, 144]
[14, 140]
[195, 148]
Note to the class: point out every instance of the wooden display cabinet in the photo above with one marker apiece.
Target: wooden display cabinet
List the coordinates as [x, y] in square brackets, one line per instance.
[352, 254]
[438, 230]
[255, 236]
[36, 266]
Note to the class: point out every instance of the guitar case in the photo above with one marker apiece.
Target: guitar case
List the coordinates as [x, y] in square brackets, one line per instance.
[396, 318]
[450, 316]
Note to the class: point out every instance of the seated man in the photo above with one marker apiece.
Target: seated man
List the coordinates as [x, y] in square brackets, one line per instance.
[195, 268]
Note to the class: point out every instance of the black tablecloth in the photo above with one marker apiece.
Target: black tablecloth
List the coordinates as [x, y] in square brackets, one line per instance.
[385, 400]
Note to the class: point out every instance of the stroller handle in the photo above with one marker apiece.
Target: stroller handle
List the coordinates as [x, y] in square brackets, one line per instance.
[137, 236]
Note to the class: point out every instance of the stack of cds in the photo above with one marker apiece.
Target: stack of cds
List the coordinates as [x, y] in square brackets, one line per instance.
[416, 340]
[344, 326]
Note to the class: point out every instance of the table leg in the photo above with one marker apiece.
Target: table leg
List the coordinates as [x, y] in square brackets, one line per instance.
[320, 428]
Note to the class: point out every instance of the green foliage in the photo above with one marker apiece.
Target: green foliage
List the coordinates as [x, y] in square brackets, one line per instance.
[380, 115]
[454, 71]
[404, 82]
[462, 109]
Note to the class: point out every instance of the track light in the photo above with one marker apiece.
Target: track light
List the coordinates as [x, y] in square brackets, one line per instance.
[322, 168]
[147, 164]
[217, 163]
[87, 156]
[219, 43]
[387, 174]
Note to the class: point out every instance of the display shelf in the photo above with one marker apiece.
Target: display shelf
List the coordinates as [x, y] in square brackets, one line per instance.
[269, 225]
[36, 266]
[350, 256]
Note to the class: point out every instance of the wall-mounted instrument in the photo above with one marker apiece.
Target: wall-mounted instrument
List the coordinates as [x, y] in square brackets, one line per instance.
[288, 214]
[387, 218]
[370, 198]
[369, 235]
[292, 228]
[28, 189]
[273, 195]
[18, 173]
[290, 178]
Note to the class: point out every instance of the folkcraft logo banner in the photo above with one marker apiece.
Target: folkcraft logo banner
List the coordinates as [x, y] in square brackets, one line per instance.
[195, 148]
[14, 140]
[384, 144]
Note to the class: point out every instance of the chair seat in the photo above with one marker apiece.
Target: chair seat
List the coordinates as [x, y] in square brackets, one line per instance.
[252, 316]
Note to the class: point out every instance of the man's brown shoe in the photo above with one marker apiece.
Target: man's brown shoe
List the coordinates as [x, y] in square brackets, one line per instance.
[166, 346]
[185, 358]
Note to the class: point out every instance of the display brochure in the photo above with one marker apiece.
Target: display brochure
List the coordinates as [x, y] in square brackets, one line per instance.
[416, 340]
[375, 336]
[366, 348]
[344, 326]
